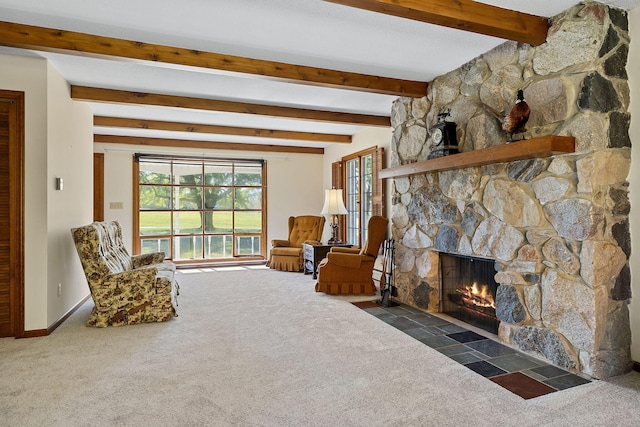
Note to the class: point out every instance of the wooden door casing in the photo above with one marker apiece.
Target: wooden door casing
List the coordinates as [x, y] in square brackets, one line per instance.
[11, 214]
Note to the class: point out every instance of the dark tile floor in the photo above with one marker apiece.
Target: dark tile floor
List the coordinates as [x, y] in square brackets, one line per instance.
[517, 372]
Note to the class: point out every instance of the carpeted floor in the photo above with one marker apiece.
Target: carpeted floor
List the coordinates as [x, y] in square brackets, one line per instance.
[255, 347]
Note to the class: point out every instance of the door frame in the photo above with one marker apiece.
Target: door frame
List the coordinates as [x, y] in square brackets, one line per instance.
[16, 208]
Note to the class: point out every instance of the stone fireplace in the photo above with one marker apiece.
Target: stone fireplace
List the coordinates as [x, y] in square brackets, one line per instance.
[468, 290]
[556, 228]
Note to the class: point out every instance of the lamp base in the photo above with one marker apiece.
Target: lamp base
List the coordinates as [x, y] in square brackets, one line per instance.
[334, 240]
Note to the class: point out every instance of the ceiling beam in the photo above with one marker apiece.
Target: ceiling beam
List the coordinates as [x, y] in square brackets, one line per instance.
[70, 42]
[207, 145]
[93, 94]
[465, 15]
[121, 122]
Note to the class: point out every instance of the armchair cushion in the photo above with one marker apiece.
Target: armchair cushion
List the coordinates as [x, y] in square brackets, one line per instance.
[125, 290]
[287, 255]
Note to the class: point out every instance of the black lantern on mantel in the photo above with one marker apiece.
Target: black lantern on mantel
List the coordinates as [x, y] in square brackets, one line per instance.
[443, 135]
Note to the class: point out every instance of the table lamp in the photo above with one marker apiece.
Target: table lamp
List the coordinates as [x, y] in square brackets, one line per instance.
[334, 206]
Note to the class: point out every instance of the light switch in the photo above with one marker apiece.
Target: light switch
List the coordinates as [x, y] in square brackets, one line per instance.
[116, 205]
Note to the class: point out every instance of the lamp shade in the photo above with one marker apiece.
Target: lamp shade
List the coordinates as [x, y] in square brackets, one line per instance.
[333, 204]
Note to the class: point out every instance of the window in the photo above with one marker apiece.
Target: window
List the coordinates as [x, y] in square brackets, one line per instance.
[200, 210]
[357, 175]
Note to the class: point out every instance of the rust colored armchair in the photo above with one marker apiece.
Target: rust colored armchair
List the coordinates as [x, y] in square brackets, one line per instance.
[350, 270]
[287, 255]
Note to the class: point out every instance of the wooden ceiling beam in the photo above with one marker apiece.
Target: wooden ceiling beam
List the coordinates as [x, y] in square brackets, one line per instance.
[465, 15]
[121, 122]
[70, 42]
[206, 145]
[93, 94]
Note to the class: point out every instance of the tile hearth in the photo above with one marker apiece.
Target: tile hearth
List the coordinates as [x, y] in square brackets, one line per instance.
[517, 372]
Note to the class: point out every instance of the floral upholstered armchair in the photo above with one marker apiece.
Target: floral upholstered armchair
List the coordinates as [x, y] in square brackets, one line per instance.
[125, 289]
[350, 270]
[287, 255]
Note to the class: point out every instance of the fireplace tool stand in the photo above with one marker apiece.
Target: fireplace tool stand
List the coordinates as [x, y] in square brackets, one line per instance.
[387, 290]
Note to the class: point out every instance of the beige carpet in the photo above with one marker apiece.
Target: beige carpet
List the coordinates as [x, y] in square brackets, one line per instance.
[255, 347]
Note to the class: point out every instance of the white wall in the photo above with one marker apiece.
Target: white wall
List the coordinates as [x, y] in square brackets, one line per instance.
[633, 66]
[118, 188]
[294, 187]
[56, 132]
[69, 156]
[294, 184]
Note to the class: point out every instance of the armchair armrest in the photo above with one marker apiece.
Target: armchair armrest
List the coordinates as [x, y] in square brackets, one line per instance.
[348, 260]
[132, 285]
[339, 249]
[312, 242]
[147, 259]
[280, 242]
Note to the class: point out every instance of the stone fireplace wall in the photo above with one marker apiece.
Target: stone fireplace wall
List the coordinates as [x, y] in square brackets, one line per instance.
[557, 228]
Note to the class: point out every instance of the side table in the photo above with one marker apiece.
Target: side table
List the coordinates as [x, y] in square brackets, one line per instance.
[313, 254]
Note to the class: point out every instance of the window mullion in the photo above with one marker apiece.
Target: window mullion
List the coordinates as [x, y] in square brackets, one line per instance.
[189, 202]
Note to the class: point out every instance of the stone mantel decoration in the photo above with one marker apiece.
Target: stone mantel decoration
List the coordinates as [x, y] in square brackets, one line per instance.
[557, 227]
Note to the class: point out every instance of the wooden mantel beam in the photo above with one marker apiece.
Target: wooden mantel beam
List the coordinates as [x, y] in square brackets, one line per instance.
[122, 122]
[465, 15]
[70, 42]
[94, 94]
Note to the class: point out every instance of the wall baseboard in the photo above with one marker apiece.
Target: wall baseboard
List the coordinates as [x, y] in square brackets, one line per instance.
[35, 333]
[636, 366]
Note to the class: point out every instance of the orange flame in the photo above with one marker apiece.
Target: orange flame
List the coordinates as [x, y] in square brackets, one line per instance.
[477, 295]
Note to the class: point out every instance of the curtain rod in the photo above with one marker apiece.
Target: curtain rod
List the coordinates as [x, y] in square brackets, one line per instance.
[143, 156]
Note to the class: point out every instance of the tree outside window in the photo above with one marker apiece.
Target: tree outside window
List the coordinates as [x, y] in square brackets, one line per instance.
[200, 210]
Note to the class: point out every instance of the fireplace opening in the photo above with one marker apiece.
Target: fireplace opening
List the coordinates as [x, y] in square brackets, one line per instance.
[469, 290]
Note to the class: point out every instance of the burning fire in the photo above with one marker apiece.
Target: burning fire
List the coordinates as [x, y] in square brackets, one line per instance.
[476, 295]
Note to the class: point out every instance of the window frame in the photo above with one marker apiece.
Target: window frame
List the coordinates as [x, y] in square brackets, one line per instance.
[340, 180]
[201, 162]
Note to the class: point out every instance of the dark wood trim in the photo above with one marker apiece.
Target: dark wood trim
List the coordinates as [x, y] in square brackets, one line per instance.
[16, 208]
[68, 314]
[208, 145]
[265, 208]
[75, 43]
[360, 153]
[636, 366]
[35, 333]
[94, 94]
[467, 15]
[135, 205]
[98, 186]
[219, 130]
[528, 149]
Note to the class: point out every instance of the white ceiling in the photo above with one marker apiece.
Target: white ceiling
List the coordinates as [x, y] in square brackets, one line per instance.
[302, 32]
